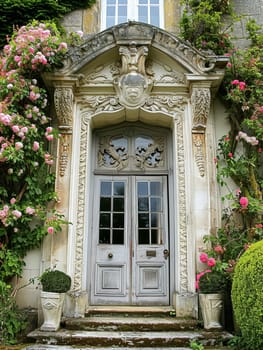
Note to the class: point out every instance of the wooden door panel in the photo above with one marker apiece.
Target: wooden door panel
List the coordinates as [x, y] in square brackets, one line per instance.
[110, 280]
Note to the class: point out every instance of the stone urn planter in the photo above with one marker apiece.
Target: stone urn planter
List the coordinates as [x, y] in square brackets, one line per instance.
[52, 304]
[211, 287]
[211, 308]
[55, 284]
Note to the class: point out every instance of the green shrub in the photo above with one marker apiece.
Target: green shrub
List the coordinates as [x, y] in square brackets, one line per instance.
[15, 13]
[247, 296]
[12, 320]
[55, 281]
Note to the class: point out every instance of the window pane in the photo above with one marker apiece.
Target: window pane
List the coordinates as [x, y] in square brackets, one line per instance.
[155, 220]
[111, 11]
[155, 204]
[142, 189]
[154, 2]
[122, 11]
[154, 16]
[155, 188]
[104, 237]
[144, 237]
[118, 237]
[111, 2]
[143, 220]
[118, 204]
[118, 188]
[154, 237]
[143, 14]
[105, 220]
[105, 204]
[118, 220]
[143, 2]
[123, 2]
[143, 204]
[105, 189]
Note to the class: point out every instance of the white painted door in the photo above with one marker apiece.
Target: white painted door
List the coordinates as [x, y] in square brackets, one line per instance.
[130, 254]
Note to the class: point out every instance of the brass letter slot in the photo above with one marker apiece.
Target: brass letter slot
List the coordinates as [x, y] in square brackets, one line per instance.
[150, 252]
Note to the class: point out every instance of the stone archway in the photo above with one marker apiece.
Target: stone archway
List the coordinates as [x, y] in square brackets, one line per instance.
[174, 85]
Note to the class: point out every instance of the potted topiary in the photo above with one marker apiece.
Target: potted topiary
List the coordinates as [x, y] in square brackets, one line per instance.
[211, 285]
[55, 284]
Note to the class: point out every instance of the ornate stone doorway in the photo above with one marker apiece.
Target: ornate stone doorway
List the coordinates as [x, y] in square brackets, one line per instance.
[135, 73]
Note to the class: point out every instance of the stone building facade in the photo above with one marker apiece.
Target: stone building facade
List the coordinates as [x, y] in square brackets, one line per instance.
[139, 118]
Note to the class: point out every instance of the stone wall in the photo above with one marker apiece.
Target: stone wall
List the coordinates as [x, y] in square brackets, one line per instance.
[88, 20]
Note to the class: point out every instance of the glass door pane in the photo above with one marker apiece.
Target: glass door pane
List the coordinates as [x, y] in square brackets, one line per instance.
[149, 211]
[112, 212]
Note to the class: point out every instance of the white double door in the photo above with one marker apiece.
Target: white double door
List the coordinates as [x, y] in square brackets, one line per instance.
[130, 250]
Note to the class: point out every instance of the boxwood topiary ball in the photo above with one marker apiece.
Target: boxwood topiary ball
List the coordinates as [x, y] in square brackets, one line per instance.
[247, 296]
[55, 281]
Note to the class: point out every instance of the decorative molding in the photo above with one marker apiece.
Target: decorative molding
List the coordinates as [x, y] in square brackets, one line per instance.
[64, 153]
[78, 263]
[200, 100]
[101, 103]
[199, 152]
[63, 101]
[167, 104]
[180, 164]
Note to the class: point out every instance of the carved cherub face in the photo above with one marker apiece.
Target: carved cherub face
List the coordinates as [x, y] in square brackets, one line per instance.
[132, 87]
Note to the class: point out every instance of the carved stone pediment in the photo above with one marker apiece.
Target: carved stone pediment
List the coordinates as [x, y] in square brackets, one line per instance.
[141, 34]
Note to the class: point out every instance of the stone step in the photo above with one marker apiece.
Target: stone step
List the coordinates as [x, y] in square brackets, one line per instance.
[64, 347]
[131, 311]
[118, 339]
[122, 323]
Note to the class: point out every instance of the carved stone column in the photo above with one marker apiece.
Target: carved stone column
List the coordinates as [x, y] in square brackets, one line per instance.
[63, 102]
[200, 100]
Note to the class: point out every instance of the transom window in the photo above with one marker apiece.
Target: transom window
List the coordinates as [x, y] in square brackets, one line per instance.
[119, 11]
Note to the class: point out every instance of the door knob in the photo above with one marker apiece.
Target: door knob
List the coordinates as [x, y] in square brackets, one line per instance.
[110, 255]
[166, 253]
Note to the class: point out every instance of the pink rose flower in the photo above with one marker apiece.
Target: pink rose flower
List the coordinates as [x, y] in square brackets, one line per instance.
[211, 262]
[243, 202]
[18, 145]
[50, 230]
[17, 213]
[242, 85]
[30, 211]
[12, 200]
[219, 250]
[203, 257]
[35, 146]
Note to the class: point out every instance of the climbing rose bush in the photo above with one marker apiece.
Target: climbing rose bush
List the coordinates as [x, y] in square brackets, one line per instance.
[27, 179]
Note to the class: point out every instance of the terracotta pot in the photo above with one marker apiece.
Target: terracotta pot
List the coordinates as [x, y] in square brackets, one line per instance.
[52, 304]
[212, 309]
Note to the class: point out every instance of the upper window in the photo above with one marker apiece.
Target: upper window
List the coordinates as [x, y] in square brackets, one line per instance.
[120, 11]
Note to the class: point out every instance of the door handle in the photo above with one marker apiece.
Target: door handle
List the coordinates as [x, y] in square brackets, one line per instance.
[110, 255]
[166, 253]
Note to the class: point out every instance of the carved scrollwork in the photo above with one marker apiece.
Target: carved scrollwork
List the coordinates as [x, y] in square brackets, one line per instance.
[63, 100]
[200, 100]
[167, 104]
[113, 153]
[102, 103]
[149, 153]
[199, 152]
